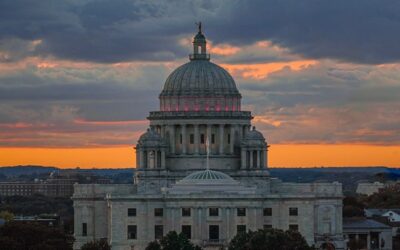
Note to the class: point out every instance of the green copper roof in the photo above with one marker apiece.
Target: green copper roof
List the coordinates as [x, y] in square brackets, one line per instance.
[207, 175]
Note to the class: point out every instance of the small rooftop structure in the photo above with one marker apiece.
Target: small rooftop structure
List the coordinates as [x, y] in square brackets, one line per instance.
[362, 223]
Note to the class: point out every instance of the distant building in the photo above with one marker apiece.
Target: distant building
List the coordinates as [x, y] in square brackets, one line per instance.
[57, 185]
[369, 188]
[51, 220]
[202, 170]
[367, 234]
[390, 217]
[393, 214]
[30, 188]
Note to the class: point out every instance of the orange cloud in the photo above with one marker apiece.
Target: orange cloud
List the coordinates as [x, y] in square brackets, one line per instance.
[261, 71]
[224, 50]
[108, 123]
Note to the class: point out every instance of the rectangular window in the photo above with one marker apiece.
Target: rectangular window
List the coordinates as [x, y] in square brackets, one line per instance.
[191, 138]
[293, 211]
[241, 211]
[229, 138]
[213, 211]
[132, 232]
[84, 229]
[158, 232]
[131, 212]
[294, 227]
[212, 138]
[186, 211]
[213, 232]
[267, 226]
[267, 211]
[180, 139]
[240, 229]
[187, 231]
[202, 139]
[158, 212]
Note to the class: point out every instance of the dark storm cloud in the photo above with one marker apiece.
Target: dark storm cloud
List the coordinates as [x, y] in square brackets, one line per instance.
[123, 30]
[350, 30]
[101, 31]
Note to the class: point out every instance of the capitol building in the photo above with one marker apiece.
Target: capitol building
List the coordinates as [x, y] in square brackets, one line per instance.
[202, 169]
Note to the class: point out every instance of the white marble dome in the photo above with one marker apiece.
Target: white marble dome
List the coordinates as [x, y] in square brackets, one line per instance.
[199, 78]
[200, 85]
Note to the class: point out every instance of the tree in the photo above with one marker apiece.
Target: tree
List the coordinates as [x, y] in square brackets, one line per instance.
[154, 245]
[172, 241]
[352, 207]
[33, 236]
[7, 216]
[388, 197]
[269, 239]
[96, 245]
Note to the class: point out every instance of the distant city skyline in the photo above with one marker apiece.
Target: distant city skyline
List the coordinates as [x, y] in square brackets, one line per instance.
[77, 79]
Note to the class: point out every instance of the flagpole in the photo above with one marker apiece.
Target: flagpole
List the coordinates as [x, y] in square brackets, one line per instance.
[208, 153]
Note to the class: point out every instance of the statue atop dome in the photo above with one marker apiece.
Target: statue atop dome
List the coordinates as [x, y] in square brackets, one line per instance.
[199, 26]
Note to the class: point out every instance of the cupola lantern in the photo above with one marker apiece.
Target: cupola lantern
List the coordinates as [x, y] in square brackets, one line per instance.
[199, 46]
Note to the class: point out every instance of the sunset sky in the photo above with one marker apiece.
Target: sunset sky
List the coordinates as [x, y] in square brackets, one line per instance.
[79, 77]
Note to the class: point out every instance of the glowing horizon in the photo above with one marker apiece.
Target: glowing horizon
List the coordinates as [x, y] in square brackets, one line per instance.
[301, 155]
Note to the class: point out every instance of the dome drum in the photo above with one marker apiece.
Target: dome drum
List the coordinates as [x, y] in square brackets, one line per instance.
[200, 103]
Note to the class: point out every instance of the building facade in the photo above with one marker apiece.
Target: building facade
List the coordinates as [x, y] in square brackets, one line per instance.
[58, 184]
[202, 170]
[362, 233]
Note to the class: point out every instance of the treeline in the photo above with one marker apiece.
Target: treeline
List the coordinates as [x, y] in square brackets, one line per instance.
[389, 197]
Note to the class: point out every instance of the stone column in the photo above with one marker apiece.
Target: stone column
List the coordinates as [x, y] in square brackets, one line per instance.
[228, 224]
[172, 138]
[196, 139]
[197, 229]
[148, 160]
[243, 159]
[163, 131]
[163, 158]
[265, 164]
[258, 159]
[232, 145]
[251, 159]
[141, 158]
[184, 139]
[156, 159]
[221, 139]
[240, 133]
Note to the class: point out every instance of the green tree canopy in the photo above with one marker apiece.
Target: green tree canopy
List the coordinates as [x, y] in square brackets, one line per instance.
[7, 216]
[172, 241]
[269, 239]
[33, 236]
[96, 245]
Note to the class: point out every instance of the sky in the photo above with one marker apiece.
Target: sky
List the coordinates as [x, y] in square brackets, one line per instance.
[79, 77]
